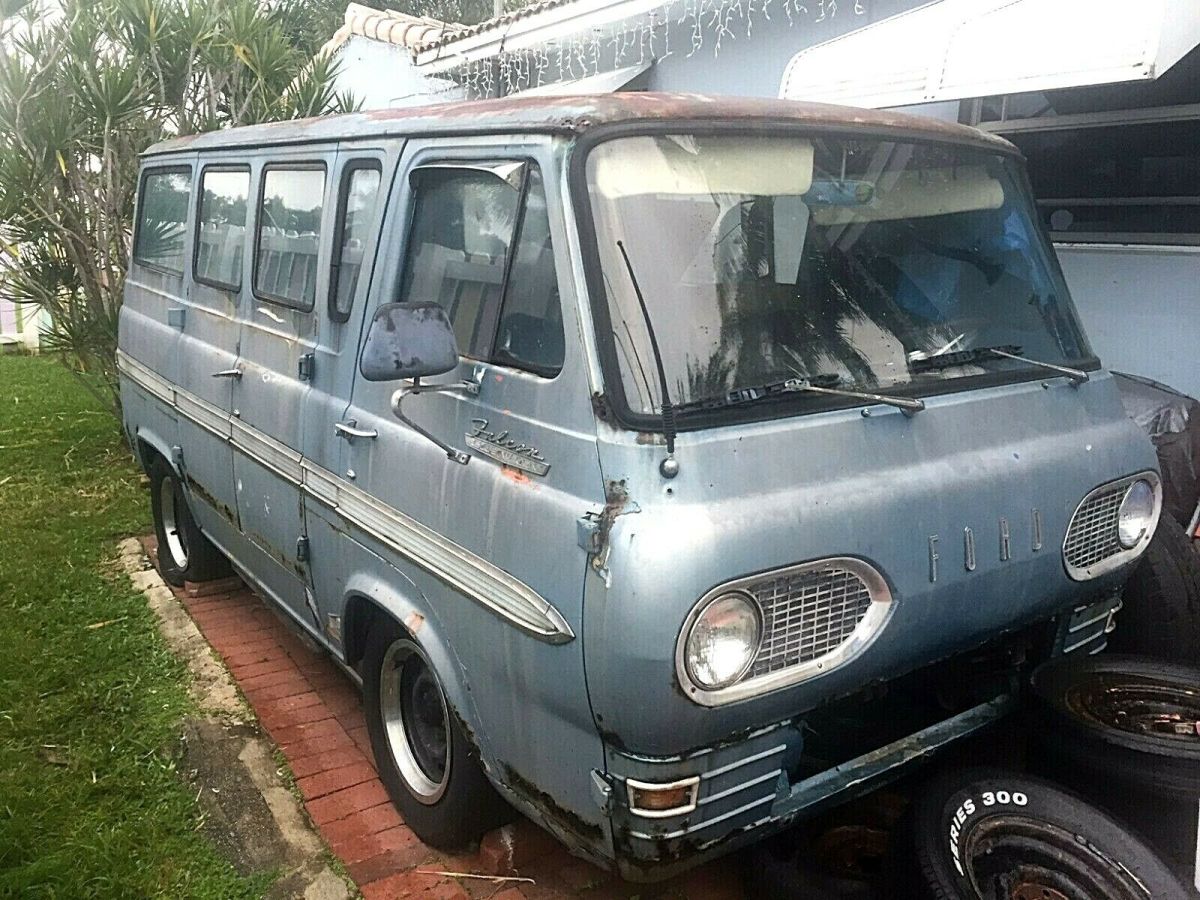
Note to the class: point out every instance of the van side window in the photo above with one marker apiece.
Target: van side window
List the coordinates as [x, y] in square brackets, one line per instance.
[221, 235]
[289, 233]
[356, 211]
[162, 219]
[500, 295]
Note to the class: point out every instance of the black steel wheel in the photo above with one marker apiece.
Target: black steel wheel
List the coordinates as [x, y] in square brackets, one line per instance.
[1125, 732]
[994, 835]
[184, 553]
[431, 771]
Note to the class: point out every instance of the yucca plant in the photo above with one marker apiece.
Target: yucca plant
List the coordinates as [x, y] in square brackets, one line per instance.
[86, 85]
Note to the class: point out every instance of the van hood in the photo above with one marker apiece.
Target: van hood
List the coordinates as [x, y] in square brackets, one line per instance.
[877, 487]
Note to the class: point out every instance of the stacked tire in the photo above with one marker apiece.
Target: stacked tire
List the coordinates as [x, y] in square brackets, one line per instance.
[1125, 732]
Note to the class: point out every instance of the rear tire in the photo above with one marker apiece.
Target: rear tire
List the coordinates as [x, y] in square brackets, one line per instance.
[996, 835]
[1161, 616]
[431, 771]
[184, 553]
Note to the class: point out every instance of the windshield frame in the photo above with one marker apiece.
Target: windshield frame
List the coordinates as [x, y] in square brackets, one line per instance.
[798, 403]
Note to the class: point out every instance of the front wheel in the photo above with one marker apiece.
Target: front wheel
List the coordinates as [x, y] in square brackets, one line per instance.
[995, 835]
[430, 770]
[184, 553]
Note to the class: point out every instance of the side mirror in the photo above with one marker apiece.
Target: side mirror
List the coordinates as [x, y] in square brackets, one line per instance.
[408, 340]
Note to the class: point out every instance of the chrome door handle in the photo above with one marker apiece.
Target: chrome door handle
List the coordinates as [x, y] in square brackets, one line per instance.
[349, 432]
[228, 373]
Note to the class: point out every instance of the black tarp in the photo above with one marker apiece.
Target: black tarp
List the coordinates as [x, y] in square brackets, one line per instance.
[1172, 420]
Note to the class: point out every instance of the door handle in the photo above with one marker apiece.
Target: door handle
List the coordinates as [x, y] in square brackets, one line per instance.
[349, 432]
[228, 373]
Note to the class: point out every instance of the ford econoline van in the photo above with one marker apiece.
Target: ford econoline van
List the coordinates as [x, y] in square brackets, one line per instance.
[670, 467]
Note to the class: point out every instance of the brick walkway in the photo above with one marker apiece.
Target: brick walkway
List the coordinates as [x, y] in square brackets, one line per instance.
[312, 711]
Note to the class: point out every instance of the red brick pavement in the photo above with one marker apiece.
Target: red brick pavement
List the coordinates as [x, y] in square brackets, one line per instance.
[312, 712]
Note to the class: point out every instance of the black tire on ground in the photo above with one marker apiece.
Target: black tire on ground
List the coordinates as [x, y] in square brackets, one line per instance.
[449, 807]
[184, 553]
[1161, 616]
[996, 835]
[1123, 731]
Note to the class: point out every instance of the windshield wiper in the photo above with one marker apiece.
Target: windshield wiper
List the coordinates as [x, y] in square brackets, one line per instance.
[918, 362]
[818, 384]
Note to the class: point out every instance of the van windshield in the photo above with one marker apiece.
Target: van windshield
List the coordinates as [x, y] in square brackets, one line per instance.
[848, 261]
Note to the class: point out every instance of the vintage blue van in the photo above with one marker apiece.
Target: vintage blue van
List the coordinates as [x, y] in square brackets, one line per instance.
[671, 467]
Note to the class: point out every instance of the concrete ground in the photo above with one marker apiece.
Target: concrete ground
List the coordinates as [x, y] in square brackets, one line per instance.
[311, 712]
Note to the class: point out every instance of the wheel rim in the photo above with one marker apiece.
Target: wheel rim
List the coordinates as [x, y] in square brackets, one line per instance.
[1139, 705]
[416, 720]
[1019, 858]
[171, 505]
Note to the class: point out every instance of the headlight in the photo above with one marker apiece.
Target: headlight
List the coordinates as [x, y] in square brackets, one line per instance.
[1136, 514]
[723, 641]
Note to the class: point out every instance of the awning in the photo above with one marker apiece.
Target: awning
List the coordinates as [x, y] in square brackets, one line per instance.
[604, 83]
[955, 49]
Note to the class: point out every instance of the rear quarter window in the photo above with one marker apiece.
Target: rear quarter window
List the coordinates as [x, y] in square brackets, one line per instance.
[162, 219]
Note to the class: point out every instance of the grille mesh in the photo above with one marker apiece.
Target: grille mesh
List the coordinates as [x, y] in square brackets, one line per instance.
[1092, 536]
[807, 615]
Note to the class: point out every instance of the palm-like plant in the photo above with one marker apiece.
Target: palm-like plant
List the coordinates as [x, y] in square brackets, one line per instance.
[86, 85]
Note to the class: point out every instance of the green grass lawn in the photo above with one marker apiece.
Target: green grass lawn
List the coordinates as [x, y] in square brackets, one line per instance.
[91, 804]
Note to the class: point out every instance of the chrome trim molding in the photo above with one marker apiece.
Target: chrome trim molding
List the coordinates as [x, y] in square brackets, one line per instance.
[860, 638]
[470, 574]
[1122, 556]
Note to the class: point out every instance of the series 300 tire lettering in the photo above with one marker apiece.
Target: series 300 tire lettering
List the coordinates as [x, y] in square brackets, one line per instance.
[969, 807]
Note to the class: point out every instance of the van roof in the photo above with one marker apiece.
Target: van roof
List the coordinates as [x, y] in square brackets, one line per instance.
[570, 115]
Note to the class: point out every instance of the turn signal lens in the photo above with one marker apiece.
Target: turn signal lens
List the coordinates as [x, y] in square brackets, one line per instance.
[659, 800]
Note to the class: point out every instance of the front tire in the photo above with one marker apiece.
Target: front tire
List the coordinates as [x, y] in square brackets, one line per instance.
[1161, 616]
[424, 759]
[995, 835]
[184, 553]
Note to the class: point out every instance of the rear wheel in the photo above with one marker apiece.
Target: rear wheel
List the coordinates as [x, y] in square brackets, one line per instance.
[995, 835]
[430, 770]
[184, 553]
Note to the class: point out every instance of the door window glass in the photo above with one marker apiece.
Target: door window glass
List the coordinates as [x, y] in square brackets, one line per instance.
[289, 233]
[162, 219]
[221, 235]
[500, 294]
[356, 211]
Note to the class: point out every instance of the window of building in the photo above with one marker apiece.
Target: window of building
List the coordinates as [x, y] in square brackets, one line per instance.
[480, 246]
[289, 234]
[356, 211]
[162, 219]
[1135, 183]
[221, 233]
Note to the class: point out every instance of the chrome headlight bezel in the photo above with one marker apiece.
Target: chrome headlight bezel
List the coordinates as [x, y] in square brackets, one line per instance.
[1124, 555]
[864, 634]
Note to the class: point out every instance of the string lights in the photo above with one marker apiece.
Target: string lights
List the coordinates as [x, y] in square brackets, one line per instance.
[706, 24]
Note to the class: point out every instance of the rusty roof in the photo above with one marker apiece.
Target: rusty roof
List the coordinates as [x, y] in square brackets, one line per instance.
[567, 115]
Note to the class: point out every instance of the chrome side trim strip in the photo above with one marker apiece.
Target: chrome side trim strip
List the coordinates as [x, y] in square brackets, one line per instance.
[737, 764]
[267, 451]
[703, 825]
[771, 776]
[483, 581]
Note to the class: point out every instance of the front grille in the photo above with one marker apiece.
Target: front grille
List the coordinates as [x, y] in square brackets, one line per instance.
[807, 615]
[1092, 535]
